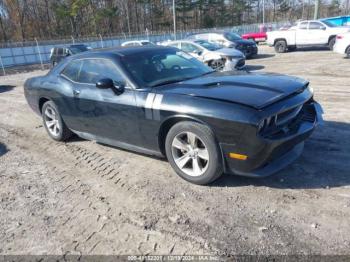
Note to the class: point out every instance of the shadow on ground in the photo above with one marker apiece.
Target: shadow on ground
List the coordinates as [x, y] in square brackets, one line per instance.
[310, 49]
[262, 56]
[254, 67]
[325, 163]
[6, 88]
[3, 149]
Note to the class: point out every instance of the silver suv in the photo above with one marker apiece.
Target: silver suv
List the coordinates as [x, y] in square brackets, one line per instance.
[214, 55]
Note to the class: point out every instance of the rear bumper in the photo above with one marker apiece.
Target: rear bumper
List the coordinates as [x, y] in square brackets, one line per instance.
[274, 154]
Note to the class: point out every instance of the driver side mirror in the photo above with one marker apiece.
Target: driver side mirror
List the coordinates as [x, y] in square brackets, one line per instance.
[323, 28]
[106, 83]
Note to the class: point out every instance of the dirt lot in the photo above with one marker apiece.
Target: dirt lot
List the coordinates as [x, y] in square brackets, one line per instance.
[84, 198]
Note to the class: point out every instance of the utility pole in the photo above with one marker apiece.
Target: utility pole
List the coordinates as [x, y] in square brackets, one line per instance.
[317, 9]
[263, 4]
[174, 19]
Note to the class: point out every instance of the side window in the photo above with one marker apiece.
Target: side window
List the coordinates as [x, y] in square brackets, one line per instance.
[95, 69]
[71, 71]
[177, 45]
[60, 51]
[189, 48]
[315, 26]
[303, 25]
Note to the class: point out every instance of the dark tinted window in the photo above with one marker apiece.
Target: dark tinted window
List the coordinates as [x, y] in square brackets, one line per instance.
[59, 51]
[94, 70]
[315, 25]
[232, 36]
[72, 70]
[75, 49]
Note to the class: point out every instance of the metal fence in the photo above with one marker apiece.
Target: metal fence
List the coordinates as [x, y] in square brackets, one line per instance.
[38, 51]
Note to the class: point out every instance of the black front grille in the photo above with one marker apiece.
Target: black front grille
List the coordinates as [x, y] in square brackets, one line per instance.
[292, 118]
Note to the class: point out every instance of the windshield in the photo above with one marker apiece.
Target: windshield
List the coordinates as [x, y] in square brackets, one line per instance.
[78, 49]
[208, 46]
[329, 24]
[232, 36]
[159, 67]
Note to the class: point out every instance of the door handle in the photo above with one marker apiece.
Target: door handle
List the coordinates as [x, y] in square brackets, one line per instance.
[76, 92]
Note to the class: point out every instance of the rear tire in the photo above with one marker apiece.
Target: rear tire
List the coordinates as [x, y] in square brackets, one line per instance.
[281, 46]
[53, 122]
[193, 152]
[331, 43]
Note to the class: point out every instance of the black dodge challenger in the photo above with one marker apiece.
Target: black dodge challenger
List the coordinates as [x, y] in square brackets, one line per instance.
[161, 101]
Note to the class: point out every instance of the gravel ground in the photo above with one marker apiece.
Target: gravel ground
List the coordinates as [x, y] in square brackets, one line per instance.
[85, 198]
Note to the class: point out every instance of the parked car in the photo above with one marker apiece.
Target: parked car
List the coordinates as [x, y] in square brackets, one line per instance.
[213, 55]
[342, 44]
[338, 21]
[229, 39]
[59, 53]
[257, 37]
[137, 43]
[305, 33]
[162, 101]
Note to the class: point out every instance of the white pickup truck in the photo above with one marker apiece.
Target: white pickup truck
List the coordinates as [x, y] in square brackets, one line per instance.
[305, 33]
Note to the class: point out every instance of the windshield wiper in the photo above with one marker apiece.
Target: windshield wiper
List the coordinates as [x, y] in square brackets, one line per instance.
[168, 82]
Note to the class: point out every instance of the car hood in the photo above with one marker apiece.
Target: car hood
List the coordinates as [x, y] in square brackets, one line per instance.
[229, 52]
[256, 90]
[244, 42]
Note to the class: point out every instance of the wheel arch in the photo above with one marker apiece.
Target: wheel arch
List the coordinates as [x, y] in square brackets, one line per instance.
[331, 37]
[280, 39]
[169, 122]
[41, 102]
[347, 49]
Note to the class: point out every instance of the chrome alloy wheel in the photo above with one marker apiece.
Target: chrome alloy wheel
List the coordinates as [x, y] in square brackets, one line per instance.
[190, 154]
[217, 64]
[51, 121]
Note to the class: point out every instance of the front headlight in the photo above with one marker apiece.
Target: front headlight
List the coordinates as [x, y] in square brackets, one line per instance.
[311, 89]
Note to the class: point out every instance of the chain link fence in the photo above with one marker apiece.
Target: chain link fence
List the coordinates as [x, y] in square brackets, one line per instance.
[38, 51]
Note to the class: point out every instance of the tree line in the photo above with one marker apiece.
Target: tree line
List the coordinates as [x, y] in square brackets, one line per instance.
[24, 20]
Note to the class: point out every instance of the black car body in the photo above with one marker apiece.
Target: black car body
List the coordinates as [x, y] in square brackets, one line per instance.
[59, 53]
[231, 40]
[258, 122]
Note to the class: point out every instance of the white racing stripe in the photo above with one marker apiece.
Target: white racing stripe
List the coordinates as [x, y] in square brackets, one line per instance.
[156, 106]
[148, 105]
[152, 106]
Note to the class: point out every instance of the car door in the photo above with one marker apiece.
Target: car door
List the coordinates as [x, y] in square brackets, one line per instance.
[301, 34]
[103, 113]
[317, 34]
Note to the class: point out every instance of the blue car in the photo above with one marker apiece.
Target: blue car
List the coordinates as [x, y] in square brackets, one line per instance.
[338, 21]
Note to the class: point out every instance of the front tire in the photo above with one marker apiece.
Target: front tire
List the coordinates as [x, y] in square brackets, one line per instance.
[53, 122]
[281, 46]
[193, 152]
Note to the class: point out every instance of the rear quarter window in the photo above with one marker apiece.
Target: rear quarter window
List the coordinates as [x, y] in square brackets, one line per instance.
[72, 70]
